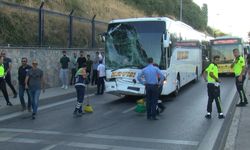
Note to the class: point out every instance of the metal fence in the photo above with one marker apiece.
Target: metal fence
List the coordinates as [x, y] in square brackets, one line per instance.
[38, 27]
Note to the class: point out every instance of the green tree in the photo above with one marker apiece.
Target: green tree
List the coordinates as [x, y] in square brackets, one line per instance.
[192, 13]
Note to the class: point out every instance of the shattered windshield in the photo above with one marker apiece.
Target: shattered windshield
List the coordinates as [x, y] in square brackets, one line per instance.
[131, 43]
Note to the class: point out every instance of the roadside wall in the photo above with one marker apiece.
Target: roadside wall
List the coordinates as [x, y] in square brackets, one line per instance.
[48, 60]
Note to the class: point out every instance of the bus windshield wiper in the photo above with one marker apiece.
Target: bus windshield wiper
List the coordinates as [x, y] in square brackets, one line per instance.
[115, 28]
[126, 66]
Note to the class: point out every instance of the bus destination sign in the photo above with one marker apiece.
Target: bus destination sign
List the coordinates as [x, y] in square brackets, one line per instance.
[225, 41]
[187, 44]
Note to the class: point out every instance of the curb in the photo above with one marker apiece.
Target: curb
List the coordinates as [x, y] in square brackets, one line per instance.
[216, 135]
[42, 107]
[5, 110]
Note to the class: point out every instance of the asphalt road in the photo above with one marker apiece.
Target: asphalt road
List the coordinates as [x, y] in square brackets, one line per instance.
[115, 125]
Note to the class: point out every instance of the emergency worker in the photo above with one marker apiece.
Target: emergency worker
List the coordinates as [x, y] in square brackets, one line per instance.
[80, 80]
[239, 72]
[213, 88]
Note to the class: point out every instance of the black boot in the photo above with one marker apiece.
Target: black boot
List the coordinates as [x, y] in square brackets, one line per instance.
[162, 107]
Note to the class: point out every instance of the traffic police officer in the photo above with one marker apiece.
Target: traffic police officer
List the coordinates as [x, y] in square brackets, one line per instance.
[2, 82]
[239, 71]
[213, 88]
[151, 74]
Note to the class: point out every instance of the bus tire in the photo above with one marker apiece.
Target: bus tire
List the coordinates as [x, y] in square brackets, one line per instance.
[178, 85]
[196, 79]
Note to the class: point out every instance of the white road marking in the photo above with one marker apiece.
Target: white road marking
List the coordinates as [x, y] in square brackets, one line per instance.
[108, 112]
[49, 147]
[100, 136]
[5, 117]
[24, 140]
[3, 139]
[30, 131]
[62, 102]
[128, 110]
[141, 139]
[104, 147]
[16, 114]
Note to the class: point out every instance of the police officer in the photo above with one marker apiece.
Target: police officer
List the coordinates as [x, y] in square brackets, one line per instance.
[239, 71]
[151, 74]
[7, 67]
[2, 82]
[213, 88]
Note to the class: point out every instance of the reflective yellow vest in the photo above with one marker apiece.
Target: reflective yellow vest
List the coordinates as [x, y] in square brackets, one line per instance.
[1, 71]
[238, 66]
[212, 68]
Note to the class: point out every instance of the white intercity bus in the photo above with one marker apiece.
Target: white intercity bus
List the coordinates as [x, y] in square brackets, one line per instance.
[173, 45]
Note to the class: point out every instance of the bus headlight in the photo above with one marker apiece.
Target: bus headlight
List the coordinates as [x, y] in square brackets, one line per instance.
[165, 82]
[134, 81]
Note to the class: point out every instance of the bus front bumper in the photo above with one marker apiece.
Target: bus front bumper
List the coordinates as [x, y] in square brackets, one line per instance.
[124, 88]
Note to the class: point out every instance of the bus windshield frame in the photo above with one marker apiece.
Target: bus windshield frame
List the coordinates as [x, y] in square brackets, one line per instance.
[224, 49]
[131, 43]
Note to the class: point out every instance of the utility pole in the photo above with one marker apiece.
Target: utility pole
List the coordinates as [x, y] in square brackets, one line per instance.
[41, 24]
[70, 32]
[180, 10]
[93, 31]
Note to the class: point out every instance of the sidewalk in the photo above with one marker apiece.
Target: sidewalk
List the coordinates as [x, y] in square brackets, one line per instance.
[239, 133]
[49, 94]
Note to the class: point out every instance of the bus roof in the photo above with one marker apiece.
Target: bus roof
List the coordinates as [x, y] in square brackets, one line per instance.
[226, 37]
[141, 19]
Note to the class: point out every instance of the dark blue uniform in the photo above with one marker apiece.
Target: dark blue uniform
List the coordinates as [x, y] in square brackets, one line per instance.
[151, 74]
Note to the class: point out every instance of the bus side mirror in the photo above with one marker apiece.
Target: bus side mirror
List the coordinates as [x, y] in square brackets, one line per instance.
[102, 37]
[203, 47]
[166, 40]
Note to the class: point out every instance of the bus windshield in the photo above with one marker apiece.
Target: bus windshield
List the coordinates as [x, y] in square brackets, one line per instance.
[131, 43]
[225, 52]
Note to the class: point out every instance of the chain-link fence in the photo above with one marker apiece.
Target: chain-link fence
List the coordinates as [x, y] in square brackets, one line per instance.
[26, 26]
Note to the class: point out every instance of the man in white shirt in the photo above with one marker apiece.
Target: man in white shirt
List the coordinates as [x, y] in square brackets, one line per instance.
[101, 77]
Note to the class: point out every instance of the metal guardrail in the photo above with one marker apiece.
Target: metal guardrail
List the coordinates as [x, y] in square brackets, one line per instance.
[55, 13]
[50, 48]
[40, 33]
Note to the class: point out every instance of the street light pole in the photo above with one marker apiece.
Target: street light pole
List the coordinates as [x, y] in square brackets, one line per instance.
[180, 10]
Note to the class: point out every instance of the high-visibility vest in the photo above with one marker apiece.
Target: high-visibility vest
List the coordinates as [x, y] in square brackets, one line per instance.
[79, 80]
[238, 66]
[1, 71]
[212, 68]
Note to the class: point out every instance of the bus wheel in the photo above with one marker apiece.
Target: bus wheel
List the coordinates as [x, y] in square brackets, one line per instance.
[178, 86]
[196, 75]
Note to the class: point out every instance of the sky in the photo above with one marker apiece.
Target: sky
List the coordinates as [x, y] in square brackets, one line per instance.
[230, 16]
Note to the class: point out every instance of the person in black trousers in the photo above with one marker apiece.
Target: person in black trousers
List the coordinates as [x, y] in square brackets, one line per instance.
[80, 80]
[22, 72]
[101, 77]
[239, 71]
[2, 82]
[7, 66]
[149, 77]
[160, 106]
